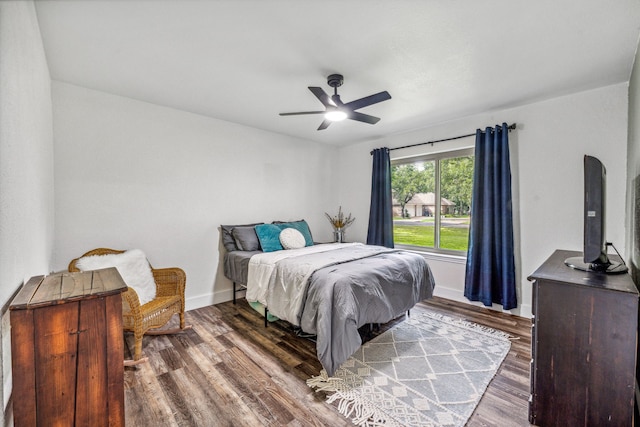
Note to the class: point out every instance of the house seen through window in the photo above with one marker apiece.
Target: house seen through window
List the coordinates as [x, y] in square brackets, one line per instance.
[432, 201]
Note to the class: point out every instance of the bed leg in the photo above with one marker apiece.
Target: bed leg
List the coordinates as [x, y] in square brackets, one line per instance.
[266, 322]
[408, 313]
[234, 293]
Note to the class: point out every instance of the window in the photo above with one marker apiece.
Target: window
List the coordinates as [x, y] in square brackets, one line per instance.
[432, 201]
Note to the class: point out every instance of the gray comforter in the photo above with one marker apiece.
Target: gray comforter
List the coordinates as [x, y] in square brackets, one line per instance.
[343, 297]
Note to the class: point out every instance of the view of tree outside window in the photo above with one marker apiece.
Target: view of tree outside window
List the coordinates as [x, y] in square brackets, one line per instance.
[432, 201]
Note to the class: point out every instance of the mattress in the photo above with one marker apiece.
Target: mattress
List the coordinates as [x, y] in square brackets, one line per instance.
[236, 265]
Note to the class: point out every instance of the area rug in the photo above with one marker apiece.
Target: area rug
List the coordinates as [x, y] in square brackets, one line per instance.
[430, 370]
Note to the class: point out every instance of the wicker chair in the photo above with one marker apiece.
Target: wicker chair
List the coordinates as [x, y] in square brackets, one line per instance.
[143, 319]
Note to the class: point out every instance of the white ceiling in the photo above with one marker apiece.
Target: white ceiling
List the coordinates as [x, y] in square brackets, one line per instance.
[245, 61]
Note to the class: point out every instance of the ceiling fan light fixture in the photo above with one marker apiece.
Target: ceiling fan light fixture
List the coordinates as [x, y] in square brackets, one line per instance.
[335, 115]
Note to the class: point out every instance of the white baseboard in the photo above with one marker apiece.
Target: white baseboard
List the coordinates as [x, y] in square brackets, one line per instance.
[210, 298]
[523, 310]
[191, 303]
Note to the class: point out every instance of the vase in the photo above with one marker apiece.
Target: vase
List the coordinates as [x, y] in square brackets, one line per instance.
[338, 235]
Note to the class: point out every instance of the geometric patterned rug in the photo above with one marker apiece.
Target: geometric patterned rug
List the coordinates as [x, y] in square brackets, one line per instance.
[429, 370]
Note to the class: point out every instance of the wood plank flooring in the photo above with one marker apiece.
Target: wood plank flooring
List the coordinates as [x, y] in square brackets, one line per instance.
[229, 370]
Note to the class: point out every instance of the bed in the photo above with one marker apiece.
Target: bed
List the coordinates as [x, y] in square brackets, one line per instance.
[327, 290]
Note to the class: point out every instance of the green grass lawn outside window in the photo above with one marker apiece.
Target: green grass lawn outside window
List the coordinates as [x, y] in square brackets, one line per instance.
[451, 238]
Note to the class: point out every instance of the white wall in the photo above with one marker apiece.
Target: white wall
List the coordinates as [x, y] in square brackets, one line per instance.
[633, 172]
[547, 165]
[26, 160]
[135, 175]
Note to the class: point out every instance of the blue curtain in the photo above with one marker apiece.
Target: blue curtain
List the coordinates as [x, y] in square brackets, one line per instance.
[380, 215]
[490, 272]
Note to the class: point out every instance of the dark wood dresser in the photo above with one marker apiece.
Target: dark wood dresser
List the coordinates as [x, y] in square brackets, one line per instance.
[584, 339]
[67, 350]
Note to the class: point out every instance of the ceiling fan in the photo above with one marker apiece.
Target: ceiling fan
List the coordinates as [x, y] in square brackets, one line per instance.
[336, 110]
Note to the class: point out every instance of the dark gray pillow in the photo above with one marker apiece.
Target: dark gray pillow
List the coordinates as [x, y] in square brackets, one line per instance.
[246, 238]
[227, 238]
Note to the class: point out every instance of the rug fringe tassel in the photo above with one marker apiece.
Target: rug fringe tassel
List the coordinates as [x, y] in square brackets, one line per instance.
[323, 382]
[468, 325]
[361, 412]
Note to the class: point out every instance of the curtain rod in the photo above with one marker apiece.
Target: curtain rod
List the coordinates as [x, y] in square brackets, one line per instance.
[511, 127]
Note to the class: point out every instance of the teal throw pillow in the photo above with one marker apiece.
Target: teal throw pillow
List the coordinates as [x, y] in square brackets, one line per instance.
[269, 236]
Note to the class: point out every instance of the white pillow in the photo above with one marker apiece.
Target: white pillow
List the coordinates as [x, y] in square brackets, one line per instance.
[132, 266]
[290, 238]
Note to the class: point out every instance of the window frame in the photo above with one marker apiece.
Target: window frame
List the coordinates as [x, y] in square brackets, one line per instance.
[436, 157]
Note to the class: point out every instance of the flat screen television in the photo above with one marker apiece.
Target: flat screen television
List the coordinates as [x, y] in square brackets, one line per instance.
[595, 256]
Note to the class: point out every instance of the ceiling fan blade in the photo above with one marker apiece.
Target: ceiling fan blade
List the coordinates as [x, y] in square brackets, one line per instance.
[325, 124]
[321, 95]
[299, 113]
[368, 100]
[366, 118]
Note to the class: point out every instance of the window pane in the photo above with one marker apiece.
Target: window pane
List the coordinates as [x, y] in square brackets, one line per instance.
[413, 187]
[456, 183]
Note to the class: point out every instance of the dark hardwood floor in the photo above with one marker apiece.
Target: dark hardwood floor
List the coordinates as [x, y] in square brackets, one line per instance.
[230, 370]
